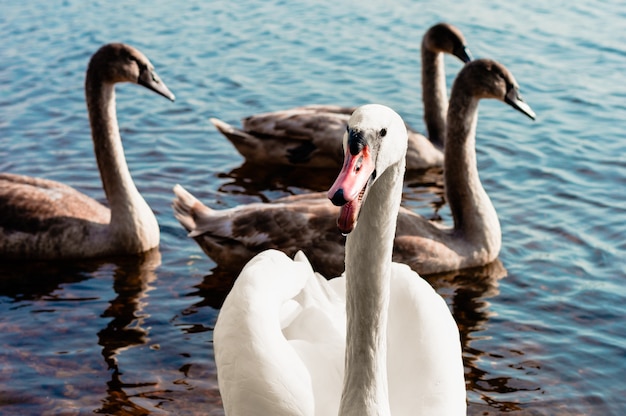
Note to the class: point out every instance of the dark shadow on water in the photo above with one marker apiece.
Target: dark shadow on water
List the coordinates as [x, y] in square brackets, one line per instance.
[214, 287]
[33, 280]
[257, 180]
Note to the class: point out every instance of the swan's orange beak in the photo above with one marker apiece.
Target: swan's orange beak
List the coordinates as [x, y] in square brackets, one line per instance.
[350, 186]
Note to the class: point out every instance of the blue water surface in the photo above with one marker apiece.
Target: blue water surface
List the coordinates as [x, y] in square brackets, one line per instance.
[543, 329]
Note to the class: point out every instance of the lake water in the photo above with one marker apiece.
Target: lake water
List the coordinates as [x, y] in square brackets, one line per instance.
[543, 330]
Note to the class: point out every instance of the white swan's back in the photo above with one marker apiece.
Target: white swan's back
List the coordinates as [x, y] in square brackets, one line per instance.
[284, 325]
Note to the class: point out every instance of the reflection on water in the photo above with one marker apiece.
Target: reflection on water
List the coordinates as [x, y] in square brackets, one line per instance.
[258, 180]
[131, 282]
[468, 293]
[266, 183]
[214, 287]
[30, 284]
[31, 281]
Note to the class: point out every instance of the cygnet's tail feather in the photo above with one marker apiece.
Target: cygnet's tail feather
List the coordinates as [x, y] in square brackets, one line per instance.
[222, 126]
[185, 206]
[232, 133]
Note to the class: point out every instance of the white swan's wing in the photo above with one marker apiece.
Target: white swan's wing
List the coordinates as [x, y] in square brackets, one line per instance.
[277, 344]
[424, 358]
[317, 334]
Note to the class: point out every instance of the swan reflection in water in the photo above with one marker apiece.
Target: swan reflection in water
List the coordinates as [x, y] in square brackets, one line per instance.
[255, 180]
[132, 280]
[60, 302]
[468, 293]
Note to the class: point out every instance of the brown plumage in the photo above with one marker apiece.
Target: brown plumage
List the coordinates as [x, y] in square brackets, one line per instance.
[43, 219]
[311, 135]
[309, 222]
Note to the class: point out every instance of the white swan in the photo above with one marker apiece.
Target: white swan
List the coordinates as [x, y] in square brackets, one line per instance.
[283, 331]
[44, 219]
[307, 222]
[311, 135]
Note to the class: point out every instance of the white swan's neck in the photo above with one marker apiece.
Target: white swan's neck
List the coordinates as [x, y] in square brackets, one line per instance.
[132, 220]
[434, 95]
[368, 271]
[473, 213]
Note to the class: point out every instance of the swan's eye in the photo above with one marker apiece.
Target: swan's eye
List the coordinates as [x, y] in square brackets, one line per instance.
[154, 77]
[383, 132]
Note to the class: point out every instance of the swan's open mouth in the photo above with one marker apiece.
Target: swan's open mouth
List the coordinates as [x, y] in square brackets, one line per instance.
[349, 213]
[350, 187]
